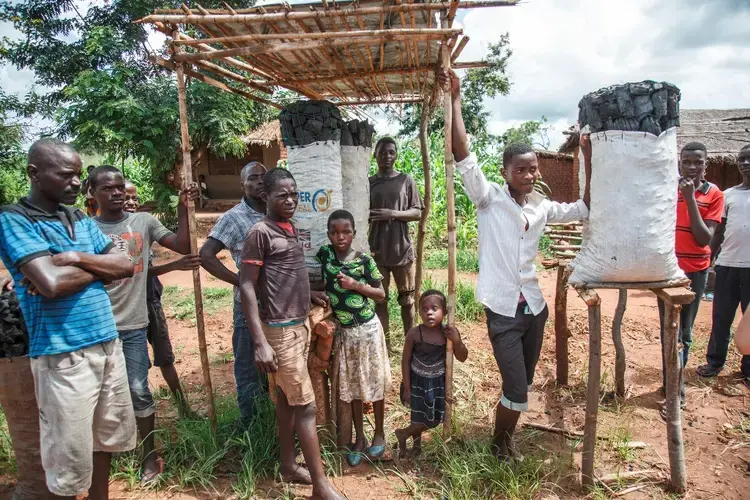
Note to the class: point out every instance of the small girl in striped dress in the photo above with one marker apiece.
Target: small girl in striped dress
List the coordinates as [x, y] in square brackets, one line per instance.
[423, 369]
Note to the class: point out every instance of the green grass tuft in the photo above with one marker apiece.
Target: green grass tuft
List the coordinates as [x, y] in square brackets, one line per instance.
[466, 260]
[180, 301]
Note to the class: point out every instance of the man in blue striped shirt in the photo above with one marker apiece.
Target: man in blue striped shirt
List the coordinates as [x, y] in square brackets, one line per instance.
[60, 260]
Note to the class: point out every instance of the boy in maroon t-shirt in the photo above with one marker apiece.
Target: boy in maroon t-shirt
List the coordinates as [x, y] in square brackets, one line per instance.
[699, 208]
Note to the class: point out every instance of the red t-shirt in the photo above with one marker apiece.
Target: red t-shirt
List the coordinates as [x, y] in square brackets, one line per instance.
[692, 257]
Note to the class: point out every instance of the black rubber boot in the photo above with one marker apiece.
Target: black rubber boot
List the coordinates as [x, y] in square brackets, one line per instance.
[505, 424]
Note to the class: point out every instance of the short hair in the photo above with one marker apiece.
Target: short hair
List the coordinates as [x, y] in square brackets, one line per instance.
[341, 215]
[101, 170]
[746, 147]
[695, 146]
[39, 152]
[274, 176]
[246, 169]
[383, 141]
[435, 293]
[515, 149]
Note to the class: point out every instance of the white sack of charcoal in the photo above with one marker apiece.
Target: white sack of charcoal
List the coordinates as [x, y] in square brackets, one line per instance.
[311, 132]
[630, 234]
[356, 153]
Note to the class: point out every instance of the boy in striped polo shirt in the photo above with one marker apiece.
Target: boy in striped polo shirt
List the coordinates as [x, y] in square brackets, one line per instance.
[59, 260]
[699, 208]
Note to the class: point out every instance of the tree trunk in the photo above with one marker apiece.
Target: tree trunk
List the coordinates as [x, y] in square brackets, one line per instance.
[622, 303]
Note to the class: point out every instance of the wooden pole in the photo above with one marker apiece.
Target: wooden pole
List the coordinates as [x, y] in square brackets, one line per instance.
[622, 302]
[187, 174]
[450, 199]
[673, 299]
[424, 147]
[592, 395]
[561, 324]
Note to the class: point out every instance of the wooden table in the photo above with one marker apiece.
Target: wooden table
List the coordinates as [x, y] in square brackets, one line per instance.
[674, 294]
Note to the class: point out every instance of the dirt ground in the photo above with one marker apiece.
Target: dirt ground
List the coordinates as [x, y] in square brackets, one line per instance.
[717, 460]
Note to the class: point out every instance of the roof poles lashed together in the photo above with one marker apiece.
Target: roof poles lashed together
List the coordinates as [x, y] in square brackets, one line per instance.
[357, 53]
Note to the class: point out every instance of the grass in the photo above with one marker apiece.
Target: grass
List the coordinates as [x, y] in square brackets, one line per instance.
[621, 438]
[468, 308]
[180, 301]
[466, 260]
[544, 247]
[7, 458]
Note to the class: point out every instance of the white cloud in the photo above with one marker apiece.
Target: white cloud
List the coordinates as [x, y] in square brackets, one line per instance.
[563, 49]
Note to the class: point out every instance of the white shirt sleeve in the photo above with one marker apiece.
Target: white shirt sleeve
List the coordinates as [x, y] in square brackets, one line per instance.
[567, 212]
[476, 184]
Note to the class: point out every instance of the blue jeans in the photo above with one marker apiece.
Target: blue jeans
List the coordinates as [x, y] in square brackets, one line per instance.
[250, 383]
[137, 363]
[732, 289]
[688, 313]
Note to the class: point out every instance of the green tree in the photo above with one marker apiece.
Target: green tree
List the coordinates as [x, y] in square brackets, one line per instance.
[476, 84]
[13, 134]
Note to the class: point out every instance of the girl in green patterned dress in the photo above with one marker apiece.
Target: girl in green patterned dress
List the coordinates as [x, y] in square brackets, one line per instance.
[352, 283]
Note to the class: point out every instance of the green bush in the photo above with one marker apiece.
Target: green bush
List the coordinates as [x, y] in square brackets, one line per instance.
[466, 260]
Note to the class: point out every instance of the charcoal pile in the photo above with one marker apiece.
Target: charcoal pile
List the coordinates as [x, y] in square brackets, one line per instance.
[357, 133]
[13, 338]
[645, 106]
[306, 122]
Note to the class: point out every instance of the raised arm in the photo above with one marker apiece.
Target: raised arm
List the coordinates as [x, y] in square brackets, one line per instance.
[180, 242]
[702, 230]
[213, 265]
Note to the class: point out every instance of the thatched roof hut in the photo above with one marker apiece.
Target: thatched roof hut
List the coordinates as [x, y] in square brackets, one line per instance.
[265, 135]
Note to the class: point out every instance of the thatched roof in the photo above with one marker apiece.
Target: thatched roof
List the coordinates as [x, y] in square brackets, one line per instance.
[553, 155]
[723, 131]
[349, 52]
[265, 134]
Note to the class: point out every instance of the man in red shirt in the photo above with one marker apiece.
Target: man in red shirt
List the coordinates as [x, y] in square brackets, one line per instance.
[699, 208]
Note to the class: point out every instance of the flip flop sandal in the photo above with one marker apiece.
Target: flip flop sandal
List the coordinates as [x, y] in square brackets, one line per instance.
[354, 458]
[151, 479]
[376, 451]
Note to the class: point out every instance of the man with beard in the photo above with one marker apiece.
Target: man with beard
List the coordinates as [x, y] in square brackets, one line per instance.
[60, 261]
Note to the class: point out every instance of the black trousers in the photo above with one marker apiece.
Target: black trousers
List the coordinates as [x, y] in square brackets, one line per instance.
[732, 289]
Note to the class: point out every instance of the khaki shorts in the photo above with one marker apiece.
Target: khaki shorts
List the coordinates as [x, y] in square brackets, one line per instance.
[291, 344]
[84, 407]
[404, 278]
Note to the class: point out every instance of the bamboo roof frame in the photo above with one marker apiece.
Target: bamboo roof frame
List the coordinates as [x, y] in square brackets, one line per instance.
[359, 52]
[373, 63]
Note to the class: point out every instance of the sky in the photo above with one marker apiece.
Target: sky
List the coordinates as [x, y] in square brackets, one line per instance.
[563, 49]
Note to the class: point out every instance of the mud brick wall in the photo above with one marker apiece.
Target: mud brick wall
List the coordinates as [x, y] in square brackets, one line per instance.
[560, 173]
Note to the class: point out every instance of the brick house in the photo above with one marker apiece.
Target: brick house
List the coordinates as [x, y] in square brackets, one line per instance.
[560, 173]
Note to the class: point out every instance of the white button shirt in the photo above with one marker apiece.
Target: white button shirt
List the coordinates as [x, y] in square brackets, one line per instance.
[506, 248]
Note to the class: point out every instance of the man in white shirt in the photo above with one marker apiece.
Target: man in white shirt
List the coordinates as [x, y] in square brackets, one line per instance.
[511, 222]
[731, 241]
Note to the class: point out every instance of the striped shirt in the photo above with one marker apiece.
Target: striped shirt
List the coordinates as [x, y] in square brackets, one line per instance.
[507, 248]
[691, 257]
[63, 324]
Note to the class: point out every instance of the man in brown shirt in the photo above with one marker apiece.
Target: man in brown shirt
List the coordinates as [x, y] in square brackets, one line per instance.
[273, 263]
[394, 202]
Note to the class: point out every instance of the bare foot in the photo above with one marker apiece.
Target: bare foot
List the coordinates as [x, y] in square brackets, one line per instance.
[295, 473]
[327, 492]
[402, 437]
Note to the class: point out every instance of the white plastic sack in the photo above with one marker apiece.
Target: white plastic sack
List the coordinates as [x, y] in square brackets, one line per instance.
[630, 235]
[317, 169]
[355, 167]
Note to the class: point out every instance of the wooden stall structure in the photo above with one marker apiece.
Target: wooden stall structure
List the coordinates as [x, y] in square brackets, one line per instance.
[350, 53]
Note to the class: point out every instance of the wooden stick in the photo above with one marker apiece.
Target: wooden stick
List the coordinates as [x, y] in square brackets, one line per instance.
[320, 14]
[622, 302]
[555, 430]
[215, 68]
[319, 35]
[678, 283]
[617, 477]
[384, 100]
[451, 207]
[563, 231]
[460, 48]
[674, 380]
[592, 394]
[424, 148]
[187, 175]
[210, 81]
[561, 325]
[273, 48]
[564, 248]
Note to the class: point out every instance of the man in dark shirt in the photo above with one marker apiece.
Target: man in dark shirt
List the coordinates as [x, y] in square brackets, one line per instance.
[394, 202]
